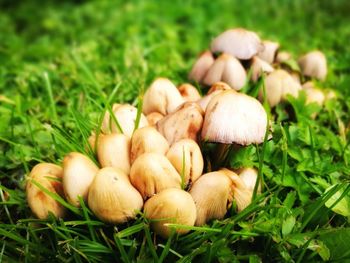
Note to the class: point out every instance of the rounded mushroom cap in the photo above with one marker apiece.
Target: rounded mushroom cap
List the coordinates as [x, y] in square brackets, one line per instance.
[258, 67]
[233, 117]
[154, 117]
[162, 96]
[189, 92]
[172, 206]
[201, 66]
[314, 64]
[249, 176]
[238, 42]
[283, 56]
[313, 94]
[268, 54]
[112, 198]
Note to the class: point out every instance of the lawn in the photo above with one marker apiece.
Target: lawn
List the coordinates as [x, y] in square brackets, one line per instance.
[62, 62]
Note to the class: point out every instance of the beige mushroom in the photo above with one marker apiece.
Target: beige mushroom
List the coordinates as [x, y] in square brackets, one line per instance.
[233, 117]
[238, 42]
[49, 176]
[189, 92]
[186, 156]
[283, 56]
[258, 67]
[126, 115]
[151, 173]
[184, 123]
[313, 94]
[215, 89]
[147, 140]
[112, 198]
[201, 66]
[78, 173]
[249, 176]
[162, 96]
[113, 150]
[154, 117]
[314, 64]
[268, 54]
[170, 206]
[228, 69]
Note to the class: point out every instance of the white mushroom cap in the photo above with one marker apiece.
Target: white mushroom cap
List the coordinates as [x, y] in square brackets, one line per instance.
[268, 54]
[259, 66]
[233, 117]
[238, 42]
[283, 56]
[189, 92]
[201, 66]
[162, 96]
[314, 64]
[228, 69]
[215, 89]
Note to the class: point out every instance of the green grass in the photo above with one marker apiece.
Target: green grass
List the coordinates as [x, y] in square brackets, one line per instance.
[62, 64]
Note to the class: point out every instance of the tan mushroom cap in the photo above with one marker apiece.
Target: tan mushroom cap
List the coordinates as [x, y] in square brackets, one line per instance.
[283, 56]
[238, 42]
[228, 69]
[154, 117]
[215, 89]
[112, 198]
[314, 64]
[126, 115]
[268, 54]
[258, 67]
[172, 206]
[189, 92]
[233, 117]
[162, 96]
[313, 94]
[249, 176]
[201, 66]
[185, 122]
[49, 176]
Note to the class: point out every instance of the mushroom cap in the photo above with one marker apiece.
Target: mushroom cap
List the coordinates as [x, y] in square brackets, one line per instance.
[189, 92]
[314, 64]
[268, 54]
[154, 117]
[283, 56]
[249, 176]
[113, 150]
[215, 89]
[228, 69]
[238, 42]
[233, 117]
[259, 66]
[201, 66]
[174, 206]
[112, 198]
[162, 96]
[313, 94]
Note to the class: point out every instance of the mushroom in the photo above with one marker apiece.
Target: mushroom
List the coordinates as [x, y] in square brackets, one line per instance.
[162, 96]
[154, 117]
[126, 115]
[233, 117]
[313, 94]
[278, 85]
[314, 64]
[170, 206]
[152, 172]
[113, 150]
[185, 155]
[184, 123]
[189, 92]
[258, 67]
[228, 69]
[283, 56]
[147, 140]
[215, 89]
[49, 176]
[238, 42]
[201, 66]
[268, 54]
[249, 176]
[112, 198]
[78, 173]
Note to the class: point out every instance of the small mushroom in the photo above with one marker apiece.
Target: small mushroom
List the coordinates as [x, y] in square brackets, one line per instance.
[186, 156]
[201, 66]
[170, 206]
[78, 173]
[233, 117]
[154, 117]
[283, 56]
[228, 69]
[126, 115]
[49, 176]
[249, 176]
[112, 198]
[152, 172]
[258, 67]
[215, 89]
[184, 123]
[189, 92]
[238, 42]
[113, 150]
[162, 96]
[147, 140]
[314, 64]
[313, 94]
[268, 54]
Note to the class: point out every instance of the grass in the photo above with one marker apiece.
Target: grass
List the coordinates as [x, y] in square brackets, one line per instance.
[63, 63]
